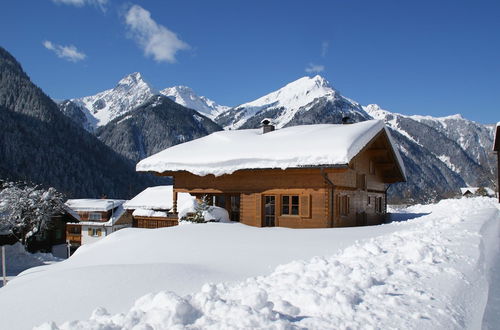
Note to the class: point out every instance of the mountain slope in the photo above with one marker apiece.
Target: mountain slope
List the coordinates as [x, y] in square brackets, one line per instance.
[185, 96]
[40, 144]
[442, 154]
[153, 126]
[129, 93]
[304, 101]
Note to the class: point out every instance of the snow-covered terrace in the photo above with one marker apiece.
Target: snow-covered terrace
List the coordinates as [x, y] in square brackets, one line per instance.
[225, 152]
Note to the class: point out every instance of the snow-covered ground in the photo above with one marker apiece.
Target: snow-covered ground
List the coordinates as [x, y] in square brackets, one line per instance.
[17, 260]
[428, 269]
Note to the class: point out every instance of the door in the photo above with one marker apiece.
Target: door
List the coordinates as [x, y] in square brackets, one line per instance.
[269, 211]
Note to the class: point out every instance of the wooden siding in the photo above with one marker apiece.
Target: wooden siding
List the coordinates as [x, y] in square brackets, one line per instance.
[150, 222]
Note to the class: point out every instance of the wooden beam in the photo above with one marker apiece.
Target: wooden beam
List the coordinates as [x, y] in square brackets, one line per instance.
[386, 166]
[376, 152]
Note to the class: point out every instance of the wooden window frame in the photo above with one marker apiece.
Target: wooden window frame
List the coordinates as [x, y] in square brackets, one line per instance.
[344, 205]
[290, 205]
[378, 205]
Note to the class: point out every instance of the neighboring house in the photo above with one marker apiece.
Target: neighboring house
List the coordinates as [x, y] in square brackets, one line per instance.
[98, 218]
[309, 176]
[53, 239]
[472, 191]
[152, 208]
[496, 147]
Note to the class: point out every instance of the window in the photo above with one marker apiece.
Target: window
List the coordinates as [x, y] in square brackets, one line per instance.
[372, 167]
[93, 216]
[378, 204]
[344, 205]
[290, 205]
[95, 232]
[361, 181]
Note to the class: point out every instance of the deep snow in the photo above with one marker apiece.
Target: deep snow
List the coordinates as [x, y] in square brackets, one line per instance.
[428, 269]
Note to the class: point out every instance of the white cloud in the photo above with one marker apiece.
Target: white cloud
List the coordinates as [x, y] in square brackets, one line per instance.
[155, 39]
[324, 48]
[314, 68]
[80, 3]
[69, 53]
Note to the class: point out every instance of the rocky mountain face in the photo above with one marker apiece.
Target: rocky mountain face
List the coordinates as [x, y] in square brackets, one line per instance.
[441, 154]
[185, 96]
[153, 126]
[304, 101]
[40, 144]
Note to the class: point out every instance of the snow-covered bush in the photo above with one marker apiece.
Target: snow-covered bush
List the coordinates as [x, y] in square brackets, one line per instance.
[26, 210]
[203, 212]
[217, 214]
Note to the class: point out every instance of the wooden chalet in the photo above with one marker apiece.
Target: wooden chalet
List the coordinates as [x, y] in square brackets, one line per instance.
[98, 218]
[153, 207]
[310, 176]
[496, 148]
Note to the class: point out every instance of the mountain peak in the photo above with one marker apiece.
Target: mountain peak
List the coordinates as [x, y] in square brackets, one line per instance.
[134, 78]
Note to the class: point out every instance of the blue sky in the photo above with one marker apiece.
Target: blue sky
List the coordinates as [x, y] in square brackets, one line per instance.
[414, 57]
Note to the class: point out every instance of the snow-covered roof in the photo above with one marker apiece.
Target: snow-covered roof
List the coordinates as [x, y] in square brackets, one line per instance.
[473, 190]
[225, 152]
[117, 214]
[157, 198]
[99, 205]
[152, 198]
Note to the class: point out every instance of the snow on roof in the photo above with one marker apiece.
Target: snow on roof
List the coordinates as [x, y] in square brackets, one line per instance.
[157, 198]
[152, 198]
[100, 205]
[227, 151]
[117, 214]
[473, 190]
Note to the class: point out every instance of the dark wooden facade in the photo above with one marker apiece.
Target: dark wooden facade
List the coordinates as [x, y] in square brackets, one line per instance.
[496, 148]
[312, 197]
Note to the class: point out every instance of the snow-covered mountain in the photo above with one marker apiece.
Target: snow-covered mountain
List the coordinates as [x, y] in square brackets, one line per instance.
[442, 154]
[185, 96]
[299, 102]
[129, 93]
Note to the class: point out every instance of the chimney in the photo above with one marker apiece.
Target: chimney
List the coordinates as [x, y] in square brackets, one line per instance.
[267, 126]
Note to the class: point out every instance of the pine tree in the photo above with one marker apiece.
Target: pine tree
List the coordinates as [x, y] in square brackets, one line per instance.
[201, 207]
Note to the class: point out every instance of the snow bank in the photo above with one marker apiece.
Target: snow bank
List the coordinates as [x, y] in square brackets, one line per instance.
[18, 259]
[429, 275]
[228, 151]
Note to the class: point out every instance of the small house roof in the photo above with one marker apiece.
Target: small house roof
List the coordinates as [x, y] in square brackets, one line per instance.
[152, 198]
[156, 201]
[473, 190]
[225, 152]
[115, 217]
[98, 205]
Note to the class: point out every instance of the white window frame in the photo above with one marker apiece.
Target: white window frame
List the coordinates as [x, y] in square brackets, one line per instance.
[95, 216]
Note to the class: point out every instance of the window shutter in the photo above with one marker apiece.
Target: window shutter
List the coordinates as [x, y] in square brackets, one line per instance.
[305, 206]
[89, 231]
[258, 207]
[98, 232]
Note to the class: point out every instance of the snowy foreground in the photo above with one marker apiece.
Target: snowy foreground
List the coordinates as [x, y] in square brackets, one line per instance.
[430, 269]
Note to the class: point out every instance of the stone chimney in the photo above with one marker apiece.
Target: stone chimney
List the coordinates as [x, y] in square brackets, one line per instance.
[267, 125]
